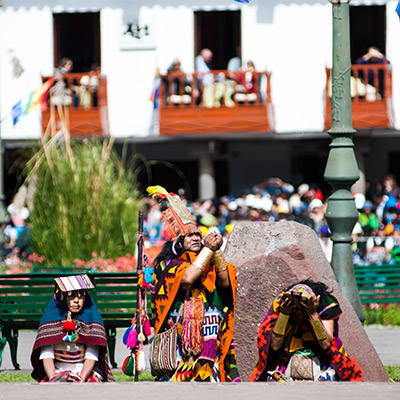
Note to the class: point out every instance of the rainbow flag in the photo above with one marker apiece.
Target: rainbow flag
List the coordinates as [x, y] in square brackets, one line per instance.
[38, 98]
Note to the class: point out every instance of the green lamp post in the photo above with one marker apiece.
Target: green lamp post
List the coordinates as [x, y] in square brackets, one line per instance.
[341, 168]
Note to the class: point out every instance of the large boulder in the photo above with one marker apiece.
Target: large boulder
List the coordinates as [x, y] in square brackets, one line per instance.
[270, 256]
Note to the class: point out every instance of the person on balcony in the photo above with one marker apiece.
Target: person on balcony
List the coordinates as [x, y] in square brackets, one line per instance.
[246, 87]
[71, 344]
[177, 78]
[212, 90]
[192, 274]
[374, 56]
[61, 94]
[298, 339]
[233, 67]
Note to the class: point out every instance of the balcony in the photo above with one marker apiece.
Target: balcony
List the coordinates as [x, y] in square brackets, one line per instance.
[371, 92]
[217, 102]
[87, 113]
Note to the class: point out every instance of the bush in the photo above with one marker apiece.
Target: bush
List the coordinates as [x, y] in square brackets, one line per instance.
[383, 314]
[85, 202]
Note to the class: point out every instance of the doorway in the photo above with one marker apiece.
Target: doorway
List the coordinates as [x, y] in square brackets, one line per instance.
[77, 36]
[219, 31]
[367, 28]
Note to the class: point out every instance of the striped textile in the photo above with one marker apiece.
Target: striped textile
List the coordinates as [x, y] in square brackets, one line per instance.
[69, 357]
[76, 282]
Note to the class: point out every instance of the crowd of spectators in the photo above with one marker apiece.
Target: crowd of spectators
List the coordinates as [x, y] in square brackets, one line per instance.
[376, 235]
[15, 235]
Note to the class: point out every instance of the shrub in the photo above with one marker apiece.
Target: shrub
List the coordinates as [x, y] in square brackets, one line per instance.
[85, 201]
[383, 314]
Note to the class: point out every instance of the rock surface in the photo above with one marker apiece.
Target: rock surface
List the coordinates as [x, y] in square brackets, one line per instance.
[270, 256]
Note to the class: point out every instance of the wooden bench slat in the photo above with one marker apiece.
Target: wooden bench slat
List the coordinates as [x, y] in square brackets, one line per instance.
[35, 290]
[378, 283]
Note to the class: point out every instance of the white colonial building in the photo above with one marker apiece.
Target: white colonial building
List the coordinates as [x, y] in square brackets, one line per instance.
[280, 131]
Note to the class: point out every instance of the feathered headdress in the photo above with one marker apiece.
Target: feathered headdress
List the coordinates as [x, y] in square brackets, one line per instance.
[177, 216]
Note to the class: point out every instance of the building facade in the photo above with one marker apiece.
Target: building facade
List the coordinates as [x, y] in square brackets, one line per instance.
[131, 41]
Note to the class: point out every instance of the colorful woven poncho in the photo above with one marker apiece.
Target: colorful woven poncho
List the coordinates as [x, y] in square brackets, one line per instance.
[346, 368]
[218, 359]
[51, 331]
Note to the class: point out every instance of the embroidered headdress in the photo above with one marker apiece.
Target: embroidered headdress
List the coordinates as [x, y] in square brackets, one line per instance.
[177, 216]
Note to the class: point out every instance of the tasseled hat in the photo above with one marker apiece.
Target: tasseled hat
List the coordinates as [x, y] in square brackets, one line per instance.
[177, 216]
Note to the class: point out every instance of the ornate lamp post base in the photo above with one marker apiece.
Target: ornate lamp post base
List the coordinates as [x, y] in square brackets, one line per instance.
[341, 169]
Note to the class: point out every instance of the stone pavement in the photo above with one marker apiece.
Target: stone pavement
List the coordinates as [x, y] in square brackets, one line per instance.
[385, 340]
[201, 391]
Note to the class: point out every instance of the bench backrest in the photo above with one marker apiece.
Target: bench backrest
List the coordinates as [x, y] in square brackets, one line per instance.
[378, 283]
[24, 297]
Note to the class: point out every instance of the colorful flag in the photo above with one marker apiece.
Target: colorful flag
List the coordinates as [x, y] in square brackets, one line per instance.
[156, 89]
[398, 9]
[38, 98]
[16, 112]
[243, 1]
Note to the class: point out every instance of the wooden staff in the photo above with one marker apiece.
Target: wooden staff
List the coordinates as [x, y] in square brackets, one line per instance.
[139, 271]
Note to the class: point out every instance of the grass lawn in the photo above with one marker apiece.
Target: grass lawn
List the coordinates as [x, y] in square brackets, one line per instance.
[119, 377]
[393, 372]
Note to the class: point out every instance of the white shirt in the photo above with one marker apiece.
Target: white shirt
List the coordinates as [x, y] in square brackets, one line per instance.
[69, 356]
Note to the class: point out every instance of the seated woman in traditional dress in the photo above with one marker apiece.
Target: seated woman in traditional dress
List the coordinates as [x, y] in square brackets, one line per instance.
[193, 276]
[298, 339]
[71, 344]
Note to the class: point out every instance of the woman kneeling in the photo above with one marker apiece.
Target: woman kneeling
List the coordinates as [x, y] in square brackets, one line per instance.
[298, 339]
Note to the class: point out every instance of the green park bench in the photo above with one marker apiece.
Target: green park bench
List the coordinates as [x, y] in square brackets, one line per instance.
[378, 283]
[60, 270]
[24, 298]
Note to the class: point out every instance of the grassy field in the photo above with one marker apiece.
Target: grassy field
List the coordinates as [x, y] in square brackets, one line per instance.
[26, 378]
[393, 372]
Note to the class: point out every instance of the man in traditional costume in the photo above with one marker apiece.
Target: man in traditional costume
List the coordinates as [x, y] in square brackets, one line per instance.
[298, 339]
[194, 276]
[71, 343]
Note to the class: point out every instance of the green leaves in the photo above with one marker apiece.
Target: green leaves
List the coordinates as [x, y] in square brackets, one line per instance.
[85, 201]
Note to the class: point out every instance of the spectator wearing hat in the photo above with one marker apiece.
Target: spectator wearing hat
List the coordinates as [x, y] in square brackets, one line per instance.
[358, 247]
[302, 216]
[379, 247]
[367, 217]
[317, 214]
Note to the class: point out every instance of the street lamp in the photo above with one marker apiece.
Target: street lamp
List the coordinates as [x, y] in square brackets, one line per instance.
[341, 168]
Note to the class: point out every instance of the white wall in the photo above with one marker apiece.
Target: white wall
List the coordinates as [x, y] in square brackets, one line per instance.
[290, 38]
[25, 34]
[129, 65]
[299, 57]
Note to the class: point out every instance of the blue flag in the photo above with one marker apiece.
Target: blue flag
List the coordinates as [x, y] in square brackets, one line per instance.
[17, 111]
[243, 1]
[398, 9]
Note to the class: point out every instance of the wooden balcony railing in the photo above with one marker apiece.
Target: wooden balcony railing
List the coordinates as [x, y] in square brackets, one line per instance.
[371, 92]
[86, 105]
[215, 102]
